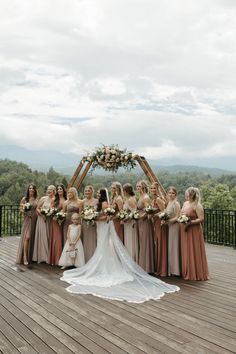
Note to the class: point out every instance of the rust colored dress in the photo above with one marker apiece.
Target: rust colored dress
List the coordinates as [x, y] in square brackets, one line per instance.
[55, 246]
[28, 231]
[146, 242]
[161, 245]
[193, 253]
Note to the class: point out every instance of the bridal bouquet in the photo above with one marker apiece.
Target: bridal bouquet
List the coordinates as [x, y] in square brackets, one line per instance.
[26, 207]
[45, 211]
[150, 209]
[134, 215]
[164, 215]
[89, 215]
[183, 219]
[111, 158]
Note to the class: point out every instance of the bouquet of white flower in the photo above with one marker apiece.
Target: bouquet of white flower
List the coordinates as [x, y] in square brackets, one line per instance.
[164, 215]
[45, 211]
[26, 207]
[150, 209]
[109, 211]
[134, 215]
[123, 215]
[60, 216]
[89, 215]
[183, 219]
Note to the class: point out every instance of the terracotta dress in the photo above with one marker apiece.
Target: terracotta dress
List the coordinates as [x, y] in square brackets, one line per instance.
[27, 231]
[71, 209]
[173, 242]
[89, 238]
[55, 247]
[131, 236]
[42, 236]
[118, 226]
[193, 253]
[146, 242]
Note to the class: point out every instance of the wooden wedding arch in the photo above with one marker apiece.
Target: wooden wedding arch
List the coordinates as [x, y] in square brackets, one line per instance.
[84, 166]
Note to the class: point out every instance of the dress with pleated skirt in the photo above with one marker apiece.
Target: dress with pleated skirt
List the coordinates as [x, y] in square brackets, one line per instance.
[193, 253]
[146, 241]
[131, 236]
[173, 242]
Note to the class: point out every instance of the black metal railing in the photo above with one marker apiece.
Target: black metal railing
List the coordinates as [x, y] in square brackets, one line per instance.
[10, 220]
[219, 225]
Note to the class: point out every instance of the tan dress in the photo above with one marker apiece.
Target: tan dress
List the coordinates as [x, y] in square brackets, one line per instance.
[118, 226]
[131, 236]
[193, 253]
[146, 242]
[27, 231]
[42, 236]
[89, 238]
[173, 242]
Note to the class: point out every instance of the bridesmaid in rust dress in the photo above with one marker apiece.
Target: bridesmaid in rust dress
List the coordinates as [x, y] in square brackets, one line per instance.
[42, 232]
[89, 232]
[145, 230]
[193, 253]
[55, 248]
[117, 202]
[72, 205]
[160, 233]
[28, 207]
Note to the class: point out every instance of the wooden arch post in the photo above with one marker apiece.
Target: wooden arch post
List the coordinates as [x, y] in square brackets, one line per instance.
[84, 166]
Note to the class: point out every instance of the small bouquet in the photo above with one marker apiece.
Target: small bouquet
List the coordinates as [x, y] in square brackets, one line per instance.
[150, 210]
[89, 215]
[164, 215]
[109, 211]
[26, 207]
[134, 215]
[45, 211]
[123, 215]
[52, 212]
[183, 219]
[72, 252]
[60, 216]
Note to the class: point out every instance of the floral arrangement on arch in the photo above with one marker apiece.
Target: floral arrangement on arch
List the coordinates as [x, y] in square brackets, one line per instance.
[111, 158]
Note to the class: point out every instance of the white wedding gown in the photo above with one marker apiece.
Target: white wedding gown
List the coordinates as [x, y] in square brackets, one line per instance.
[112, 274]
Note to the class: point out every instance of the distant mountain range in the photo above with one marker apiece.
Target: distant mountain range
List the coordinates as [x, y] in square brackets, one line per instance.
[67, 163]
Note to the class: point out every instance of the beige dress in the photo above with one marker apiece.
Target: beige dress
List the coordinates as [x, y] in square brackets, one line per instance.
[146, 242]
[131, 236]
[70, 210]
[42, 236]
[89, 237]
[173, 242]
[65, 259]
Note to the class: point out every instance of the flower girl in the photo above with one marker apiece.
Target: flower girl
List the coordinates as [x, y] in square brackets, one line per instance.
[73, 251]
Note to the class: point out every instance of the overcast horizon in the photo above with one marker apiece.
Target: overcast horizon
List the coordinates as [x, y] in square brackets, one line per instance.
[156, 77]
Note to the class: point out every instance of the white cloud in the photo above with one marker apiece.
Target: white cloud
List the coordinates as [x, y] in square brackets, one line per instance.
[155, 76]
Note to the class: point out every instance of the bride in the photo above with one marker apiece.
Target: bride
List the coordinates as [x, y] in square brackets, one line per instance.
[111, 273]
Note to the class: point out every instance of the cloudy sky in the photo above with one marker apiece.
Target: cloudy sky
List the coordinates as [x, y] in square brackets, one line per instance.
[155, 76]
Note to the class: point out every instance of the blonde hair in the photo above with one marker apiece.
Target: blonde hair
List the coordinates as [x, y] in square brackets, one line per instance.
[75, 215]
[73, 190]
[194, 193]
[118, 187]
[89, 186]
[143, 185]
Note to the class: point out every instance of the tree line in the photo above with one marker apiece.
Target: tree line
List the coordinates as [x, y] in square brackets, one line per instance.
[218, 192]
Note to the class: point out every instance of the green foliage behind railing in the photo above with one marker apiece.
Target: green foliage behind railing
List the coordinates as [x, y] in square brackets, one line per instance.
[219, 225]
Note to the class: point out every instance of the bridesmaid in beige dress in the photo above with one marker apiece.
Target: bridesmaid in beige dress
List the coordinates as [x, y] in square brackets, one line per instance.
[55, 248]
[42, 232]
[145, 230]
[72, 205]
[26, 244]
[117, 203]
[173, 209]
[193, 253]
[89, 232]
[160, 232]
[130, 226]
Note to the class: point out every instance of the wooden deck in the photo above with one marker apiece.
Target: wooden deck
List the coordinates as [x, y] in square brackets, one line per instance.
[37, 315]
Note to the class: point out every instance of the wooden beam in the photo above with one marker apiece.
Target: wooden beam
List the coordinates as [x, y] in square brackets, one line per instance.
[78, 183]
[75, 175]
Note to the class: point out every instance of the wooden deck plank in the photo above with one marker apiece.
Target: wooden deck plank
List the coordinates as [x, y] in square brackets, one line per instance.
[36, 308]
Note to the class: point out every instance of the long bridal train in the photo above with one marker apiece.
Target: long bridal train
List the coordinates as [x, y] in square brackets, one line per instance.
[112, 274]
